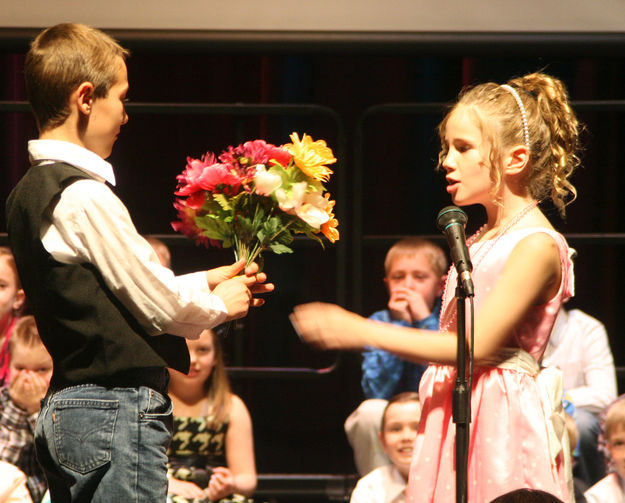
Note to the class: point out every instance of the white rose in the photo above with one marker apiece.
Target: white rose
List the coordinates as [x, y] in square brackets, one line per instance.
[313, 210]
[289, 201]
[265, 181]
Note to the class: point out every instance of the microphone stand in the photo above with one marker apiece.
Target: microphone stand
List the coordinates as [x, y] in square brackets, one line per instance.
[461, 400]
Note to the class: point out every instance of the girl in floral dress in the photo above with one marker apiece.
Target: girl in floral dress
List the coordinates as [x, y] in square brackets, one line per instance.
[505, 147]
[211, 456]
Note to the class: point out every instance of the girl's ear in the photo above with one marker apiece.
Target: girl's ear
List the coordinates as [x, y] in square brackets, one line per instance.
[516, 159]
[19, 299]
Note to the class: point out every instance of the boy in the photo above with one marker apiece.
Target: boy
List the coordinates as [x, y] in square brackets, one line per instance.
[400, 423]
[30, 371]
[414, 277]
[100, 296]
[580, 348]
[611, 489]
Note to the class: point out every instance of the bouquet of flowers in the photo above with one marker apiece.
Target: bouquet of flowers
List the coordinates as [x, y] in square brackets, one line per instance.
[256, 196]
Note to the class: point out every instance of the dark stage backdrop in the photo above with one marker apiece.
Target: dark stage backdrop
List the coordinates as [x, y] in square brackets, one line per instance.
[298, 421]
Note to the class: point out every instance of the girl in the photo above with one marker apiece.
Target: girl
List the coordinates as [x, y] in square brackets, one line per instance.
[212, 450]
[505, 147]
[11, 301]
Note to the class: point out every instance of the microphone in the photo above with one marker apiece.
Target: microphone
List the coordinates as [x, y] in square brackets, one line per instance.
[451, 221]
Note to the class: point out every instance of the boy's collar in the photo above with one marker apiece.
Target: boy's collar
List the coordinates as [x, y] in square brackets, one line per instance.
[43, 151]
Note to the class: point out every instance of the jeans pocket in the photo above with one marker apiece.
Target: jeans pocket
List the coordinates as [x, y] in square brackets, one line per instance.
[158, 407]
[83, 432]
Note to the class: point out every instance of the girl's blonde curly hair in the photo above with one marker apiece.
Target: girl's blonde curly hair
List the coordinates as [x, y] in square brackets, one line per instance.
[553, 132]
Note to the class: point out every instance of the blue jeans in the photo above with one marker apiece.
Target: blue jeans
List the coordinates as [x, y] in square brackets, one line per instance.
[101, 444]
[590, 466]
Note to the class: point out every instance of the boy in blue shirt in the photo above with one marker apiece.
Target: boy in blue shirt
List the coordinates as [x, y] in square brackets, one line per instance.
[414, 277]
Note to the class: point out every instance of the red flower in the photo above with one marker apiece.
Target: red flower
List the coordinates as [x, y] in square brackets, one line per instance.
[221, 177]
[188, 179]
[254, 152]
[186, 225]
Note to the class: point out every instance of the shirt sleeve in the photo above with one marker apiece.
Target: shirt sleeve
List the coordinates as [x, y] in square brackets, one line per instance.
[381, 370]
[363, 493]
[15, 431]
[599, 388]
[90, 224]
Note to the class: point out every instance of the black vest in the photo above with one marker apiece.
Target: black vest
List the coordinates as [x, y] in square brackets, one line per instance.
[89, 333]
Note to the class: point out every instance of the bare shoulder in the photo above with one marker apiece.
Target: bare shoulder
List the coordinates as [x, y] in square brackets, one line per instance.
[539, 242]
[238, 409]
[537, 258]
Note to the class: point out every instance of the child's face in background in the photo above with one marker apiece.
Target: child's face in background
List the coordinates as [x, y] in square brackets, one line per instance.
[30, 361]
[11, 297]
[466, 162]
[401, 423]
[616, 447]
[202, 353]
[414, 272]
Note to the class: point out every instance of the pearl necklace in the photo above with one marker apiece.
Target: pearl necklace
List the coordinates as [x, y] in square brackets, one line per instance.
[480, 253]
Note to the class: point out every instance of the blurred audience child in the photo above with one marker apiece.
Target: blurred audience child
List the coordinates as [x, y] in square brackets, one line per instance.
[399, 426]
[611, 489]
[31, 370]
[13, 484]
[527, 496]
[579, 486]
[414, 278]
[579, 347]
[161, 250]
[11, 301]
[211, 456]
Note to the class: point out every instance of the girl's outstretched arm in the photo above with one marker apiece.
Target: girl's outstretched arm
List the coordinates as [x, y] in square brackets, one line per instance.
[530, 277]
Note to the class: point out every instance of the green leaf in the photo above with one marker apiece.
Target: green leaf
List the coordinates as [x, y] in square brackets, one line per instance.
[279, 249]
[223, 201]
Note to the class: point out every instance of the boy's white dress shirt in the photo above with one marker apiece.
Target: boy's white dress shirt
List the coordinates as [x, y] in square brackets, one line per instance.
[89, 224]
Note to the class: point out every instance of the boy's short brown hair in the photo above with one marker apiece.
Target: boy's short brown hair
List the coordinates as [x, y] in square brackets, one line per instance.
[25, 333]
[405, 396]
[411, 246]
[59, 60]
[614, 417]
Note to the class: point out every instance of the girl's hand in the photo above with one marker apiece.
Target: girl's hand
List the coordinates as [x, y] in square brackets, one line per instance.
[185, 489]
[221, 484]
[328, 326]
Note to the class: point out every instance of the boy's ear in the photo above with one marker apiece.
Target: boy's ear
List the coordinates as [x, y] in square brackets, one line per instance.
[516, 159]
[84, 97]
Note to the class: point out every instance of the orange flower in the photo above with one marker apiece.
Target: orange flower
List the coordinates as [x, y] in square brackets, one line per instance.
[329, 229]
[311, 156]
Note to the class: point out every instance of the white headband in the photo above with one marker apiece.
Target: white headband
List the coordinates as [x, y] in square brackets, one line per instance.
[517, 98]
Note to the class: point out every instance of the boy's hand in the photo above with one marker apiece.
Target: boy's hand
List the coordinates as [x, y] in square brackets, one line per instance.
[221, 484]
[219, 274]
[407, 305]
[237, 292]
[27, 389]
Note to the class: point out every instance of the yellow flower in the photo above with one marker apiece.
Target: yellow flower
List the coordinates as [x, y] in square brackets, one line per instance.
[329, 229]
[311, 156]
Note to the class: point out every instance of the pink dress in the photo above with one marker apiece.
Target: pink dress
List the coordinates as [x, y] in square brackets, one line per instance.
[511, 444]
